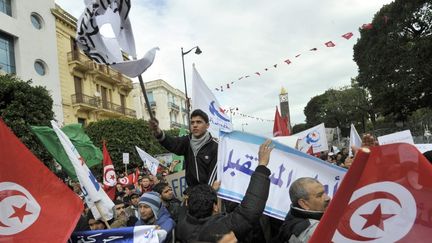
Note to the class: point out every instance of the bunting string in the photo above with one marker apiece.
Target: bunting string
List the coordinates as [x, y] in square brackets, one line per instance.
[288, 61]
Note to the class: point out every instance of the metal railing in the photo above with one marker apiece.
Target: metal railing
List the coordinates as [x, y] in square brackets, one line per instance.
[96, 102]
[85, 99]
[173, 106]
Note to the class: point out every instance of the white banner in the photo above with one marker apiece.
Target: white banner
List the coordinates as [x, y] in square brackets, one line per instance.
[177, 181]
[93, 192]
[238, 158]
[203, 98]
[315, 136]
[397, 137]
[151, 163]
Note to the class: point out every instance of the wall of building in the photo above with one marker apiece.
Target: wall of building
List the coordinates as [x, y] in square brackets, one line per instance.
[167, 115]
[33, 44]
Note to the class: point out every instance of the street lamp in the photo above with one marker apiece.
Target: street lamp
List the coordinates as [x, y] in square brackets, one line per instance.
[197, 51]
[243, 124]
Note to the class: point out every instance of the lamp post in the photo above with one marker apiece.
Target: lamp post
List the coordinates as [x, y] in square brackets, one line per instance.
[243, 124]
[197, 51]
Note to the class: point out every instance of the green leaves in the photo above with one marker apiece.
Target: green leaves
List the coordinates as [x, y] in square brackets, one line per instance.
[121, 136]
[394, 58]
[22, 105]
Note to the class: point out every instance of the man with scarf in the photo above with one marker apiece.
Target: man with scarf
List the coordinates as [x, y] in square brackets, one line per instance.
[309, 201]
[199, 149]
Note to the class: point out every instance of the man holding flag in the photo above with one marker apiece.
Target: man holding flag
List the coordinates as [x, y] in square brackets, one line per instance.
[199, 149]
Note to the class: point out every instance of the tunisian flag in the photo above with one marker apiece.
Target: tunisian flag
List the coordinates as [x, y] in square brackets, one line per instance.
[280, 127]
[384, 197]
[110, 178]
[35, 206]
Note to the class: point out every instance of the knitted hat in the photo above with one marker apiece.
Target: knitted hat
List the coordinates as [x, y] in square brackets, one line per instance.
[151, 199]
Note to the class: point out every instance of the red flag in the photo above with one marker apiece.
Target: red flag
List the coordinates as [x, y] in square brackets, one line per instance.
[280, 127]
[348, 35]
[384, 197]
[329, 44]
[367, 26]
[35, 205]
[287, 61]
[128, 180]
[286, 121]
[110, 178]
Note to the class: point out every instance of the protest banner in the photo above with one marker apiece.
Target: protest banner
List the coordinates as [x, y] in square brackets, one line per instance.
[178, 183]
[137, 234]
[397, 137]
[238, 158]
[316, 137]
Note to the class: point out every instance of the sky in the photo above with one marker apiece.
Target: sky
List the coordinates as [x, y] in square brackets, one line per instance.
[240, 37]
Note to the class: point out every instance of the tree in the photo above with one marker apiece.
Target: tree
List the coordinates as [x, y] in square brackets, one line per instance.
[22, 105]
[340, 108]
[121, 136]
[394, 58]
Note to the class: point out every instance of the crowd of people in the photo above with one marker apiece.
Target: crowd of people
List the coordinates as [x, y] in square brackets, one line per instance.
[201, 216]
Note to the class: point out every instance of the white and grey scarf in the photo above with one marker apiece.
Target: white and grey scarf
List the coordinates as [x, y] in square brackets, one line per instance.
[197, 143]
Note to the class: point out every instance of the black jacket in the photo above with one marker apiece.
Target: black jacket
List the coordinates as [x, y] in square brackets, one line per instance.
[296, 221]
[240, 221]
[200, 169]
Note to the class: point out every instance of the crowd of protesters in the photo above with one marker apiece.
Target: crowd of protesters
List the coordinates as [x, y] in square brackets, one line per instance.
[201, 216]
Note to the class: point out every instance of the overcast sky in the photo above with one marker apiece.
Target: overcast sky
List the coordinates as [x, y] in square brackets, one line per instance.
[239, 38]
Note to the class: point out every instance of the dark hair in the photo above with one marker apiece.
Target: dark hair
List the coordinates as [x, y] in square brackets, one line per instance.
[201, 200]
[117, 202]
[130, 187]
[428, 155]
[201, 114]
[160, 187]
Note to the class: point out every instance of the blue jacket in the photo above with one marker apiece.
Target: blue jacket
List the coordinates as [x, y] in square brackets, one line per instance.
[163, 220]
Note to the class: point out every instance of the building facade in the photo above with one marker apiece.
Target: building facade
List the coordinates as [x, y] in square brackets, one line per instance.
[168, 104]
[27, 45]
[90, 91]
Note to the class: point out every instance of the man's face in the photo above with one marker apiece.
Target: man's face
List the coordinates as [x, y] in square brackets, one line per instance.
[199, 126]
[167, 194]
[145, 212]
[119, 187]
[135, 200]
[120, 209]
[95, 225]
[145, 182]
[318, 200]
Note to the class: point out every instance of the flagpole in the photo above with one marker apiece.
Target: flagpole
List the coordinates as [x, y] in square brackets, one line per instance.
[145, 96]
[100, 212]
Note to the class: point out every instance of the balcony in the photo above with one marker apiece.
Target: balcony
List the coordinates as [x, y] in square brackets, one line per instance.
[152, 105]
[78, 61]
[114, 110]
[173, 106]
[85, 102]
[88, 103]
[176, 125]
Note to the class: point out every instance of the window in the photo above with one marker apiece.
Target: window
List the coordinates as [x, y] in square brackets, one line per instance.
[36, 20]
[5, 7]
[150, 96]
[82, 121]
[40, 67]
[7, 55]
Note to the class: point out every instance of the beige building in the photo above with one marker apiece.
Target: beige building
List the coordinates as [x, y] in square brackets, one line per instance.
[89, 91]
[167, 103]
[27, 45]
